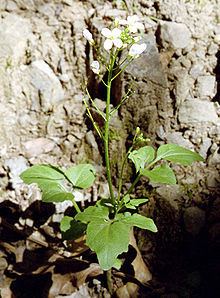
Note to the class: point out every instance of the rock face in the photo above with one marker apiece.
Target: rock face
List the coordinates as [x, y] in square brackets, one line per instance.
[194, 111]
[47, 86]
[14, 34]
[174, 35]
[206, 86]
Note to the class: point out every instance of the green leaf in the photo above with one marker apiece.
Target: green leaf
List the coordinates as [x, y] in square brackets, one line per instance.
[140, 221]
[50, 180]
[177, 154]
[133, 203]
[108, 239]
[161, 174]
[142, 156]
[81, 176]
[65, 223]
[137, 202]
[71, 229]
[93, 213]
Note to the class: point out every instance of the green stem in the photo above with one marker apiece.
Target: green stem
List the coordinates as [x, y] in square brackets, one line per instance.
[106, 131]
[76, 206]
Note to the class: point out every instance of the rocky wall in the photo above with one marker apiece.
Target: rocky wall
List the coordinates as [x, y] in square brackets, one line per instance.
[43, 64]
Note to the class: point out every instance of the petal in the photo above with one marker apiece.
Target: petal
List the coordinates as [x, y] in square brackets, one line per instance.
[118, 42]
[108, 44]
[123, 22]
[116, 32]
[132, 19]
[95, 66]
[106, 32]
[139, 26]
[137, 49]
[87, 34]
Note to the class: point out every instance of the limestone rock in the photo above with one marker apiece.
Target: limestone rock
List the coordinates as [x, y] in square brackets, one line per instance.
[148, 66]
[194, 220]
[16, 166]
[193, 111]
[14, 34]
[175, 35]
[178, 139]
[206, 86]
[38, 146]
[47, 86]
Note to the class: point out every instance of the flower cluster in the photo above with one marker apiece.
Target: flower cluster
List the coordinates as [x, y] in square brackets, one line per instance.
[121, 37]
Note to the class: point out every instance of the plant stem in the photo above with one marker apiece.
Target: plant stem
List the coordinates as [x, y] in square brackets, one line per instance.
[106, 132]
[76, 206]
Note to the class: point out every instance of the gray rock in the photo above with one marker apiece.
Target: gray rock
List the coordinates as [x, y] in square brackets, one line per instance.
[170, 193]
[14, 34]
[62, 206]
[47, 87]
[148, 66]
[196, 70]
[204, 147]
[206, 86]
[38, 146]
[174, 34]
[16, 166]
[178, 139]
[193, 111]
[194, 220]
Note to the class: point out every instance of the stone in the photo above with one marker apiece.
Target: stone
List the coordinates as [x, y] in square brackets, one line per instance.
[194, 220]
[148, 66]
[204, 147]
[14, 34]
[171, 193]
[178, 139]
[47, 87]
[62, 206]
[16, 166]
[38, 146]
[195, 110]
[196, 70]
[206, 86]
[175, 35]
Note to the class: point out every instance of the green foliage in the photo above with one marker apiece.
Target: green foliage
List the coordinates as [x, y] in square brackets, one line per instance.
[142, 156]
[161, 174]
[110, 237]
[133, 203]
[81, 176]
[177, 154]
[71, 229]
[50, 180]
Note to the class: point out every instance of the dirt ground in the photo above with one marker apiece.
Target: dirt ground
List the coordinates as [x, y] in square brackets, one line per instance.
[43, 64]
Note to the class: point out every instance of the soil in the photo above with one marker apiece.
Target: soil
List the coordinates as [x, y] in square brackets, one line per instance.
[44, 61]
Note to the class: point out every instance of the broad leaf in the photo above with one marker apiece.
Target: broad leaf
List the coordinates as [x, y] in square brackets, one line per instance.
[108, 239]
[137, 202]
[161, 174]
[71, 229]
[50, 180]
[93, 213]
[140, 221]
[142, 156]
[65, 223]
[81, 176]
[133, 203]
[177, 154]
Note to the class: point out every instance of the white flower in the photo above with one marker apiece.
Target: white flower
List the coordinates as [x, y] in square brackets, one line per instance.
[133, 23]
[88, 35]
[95, 66]
[113, 38]
[137, 49]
